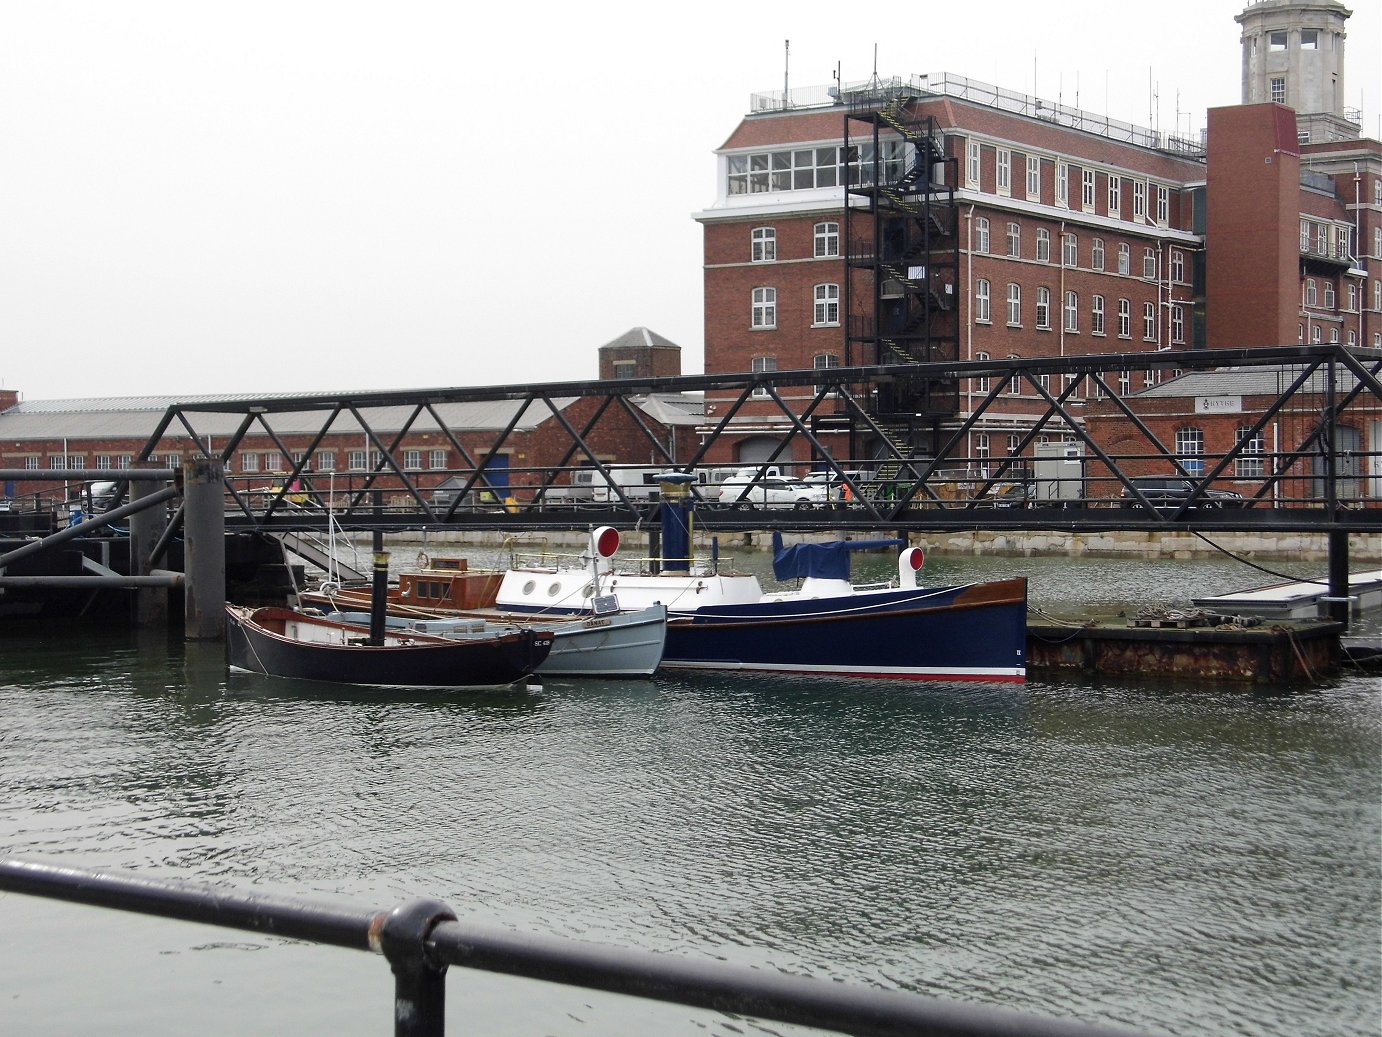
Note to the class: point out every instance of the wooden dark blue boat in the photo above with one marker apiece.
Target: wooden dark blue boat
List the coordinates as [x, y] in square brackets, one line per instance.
[282, 642]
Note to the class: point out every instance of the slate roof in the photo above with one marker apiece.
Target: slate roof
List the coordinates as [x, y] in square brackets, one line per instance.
[1242, 381]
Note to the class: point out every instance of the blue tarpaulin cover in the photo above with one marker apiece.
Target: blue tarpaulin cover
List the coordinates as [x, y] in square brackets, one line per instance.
[828, 561]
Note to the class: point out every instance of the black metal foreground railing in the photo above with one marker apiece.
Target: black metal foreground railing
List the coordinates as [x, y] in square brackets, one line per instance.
[422, 938]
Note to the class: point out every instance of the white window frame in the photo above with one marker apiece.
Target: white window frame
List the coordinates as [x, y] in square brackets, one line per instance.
[764, 245]
[827, 308]
[1087, 189]
[1139, 201]
[1003, 171]
[436, 459]
[1014, 239]
[973, 163]
[1251, 460]
[1149, 264]
[1033, 178]
[412, 460]
[326, 460]
[1163, 205]
[1043, 245]
[1125, 318]
[1070, 250]
[827, 239]
[983, 299]
[1072, 313]
[1096, 254]
[1014, 305]
[981, 382]
[1177, 266]
[1096, 315]
[1115, 196]
[1043, 309]
[1063, 184]
[1149, 322]
[1177, 325]
[981, 234]
[1124, 259]
[763, 312]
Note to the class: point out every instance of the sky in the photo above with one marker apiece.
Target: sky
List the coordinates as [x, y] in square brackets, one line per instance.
[309, 196]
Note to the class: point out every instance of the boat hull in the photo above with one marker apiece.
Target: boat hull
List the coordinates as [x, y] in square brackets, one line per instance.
[971, 633]
[280, 642]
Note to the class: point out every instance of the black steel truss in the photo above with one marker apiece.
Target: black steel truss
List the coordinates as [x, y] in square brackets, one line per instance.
[1301, 488]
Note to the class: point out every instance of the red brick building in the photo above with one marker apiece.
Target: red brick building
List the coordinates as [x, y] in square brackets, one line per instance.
[1072, 234]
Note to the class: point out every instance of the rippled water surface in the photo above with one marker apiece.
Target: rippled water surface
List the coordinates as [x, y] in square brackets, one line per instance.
[1180, 860]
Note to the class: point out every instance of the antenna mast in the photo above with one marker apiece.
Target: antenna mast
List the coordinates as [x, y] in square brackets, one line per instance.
[786, 66]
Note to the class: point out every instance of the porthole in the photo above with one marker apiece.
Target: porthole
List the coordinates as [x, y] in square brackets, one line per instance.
[554, 590]
[530, 586]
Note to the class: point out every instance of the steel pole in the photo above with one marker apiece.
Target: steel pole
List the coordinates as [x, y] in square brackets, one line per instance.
[204, 544]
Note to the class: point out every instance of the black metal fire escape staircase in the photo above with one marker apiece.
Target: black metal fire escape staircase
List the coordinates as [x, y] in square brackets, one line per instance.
[901, 225]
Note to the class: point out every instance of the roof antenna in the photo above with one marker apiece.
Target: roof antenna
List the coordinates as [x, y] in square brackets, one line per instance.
[786, 65]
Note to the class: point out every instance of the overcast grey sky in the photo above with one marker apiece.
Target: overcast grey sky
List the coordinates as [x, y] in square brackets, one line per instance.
[300, 195]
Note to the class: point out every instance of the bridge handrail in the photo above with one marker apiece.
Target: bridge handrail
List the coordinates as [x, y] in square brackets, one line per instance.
[421, 938]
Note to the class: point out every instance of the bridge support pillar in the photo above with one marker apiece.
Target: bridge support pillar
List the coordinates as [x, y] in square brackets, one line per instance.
[204, 532]
[146, 529]
[1339, 605]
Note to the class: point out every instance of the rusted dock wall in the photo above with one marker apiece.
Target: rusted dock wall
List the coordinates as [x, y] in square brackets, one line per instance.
[1296, 652]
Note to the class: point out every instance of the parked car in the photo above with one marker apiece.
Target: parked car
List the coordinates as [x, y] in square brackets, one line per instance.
[772, 491]
[1014, 495]
[1173, 491]
[836, 488]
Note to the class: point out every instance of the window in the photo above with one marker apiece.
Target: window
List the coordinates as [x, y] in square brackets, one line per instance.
[1014, 441]
[273, 461]
[982, 299]
[1149, 321]
[981, 446]
[1062, 184]
[1190, 448]
[436, 459]
[1178, 324]
[824, 362]
[1124, 260]
[764, 308]
[1311, 291]
[1148, 378]
[412, 460]
[1333, 334]
[1125, 318]
[1276, 40]
[1305, 235]
[762, 365]
[1163, 206]
[1096, 254]
[1014, 305]
[1329, 295]
[981, 234]
[31, 462]
[1070, 250]
[1015, 382]
[1278, 89]
[1043, 309]
[1096, 320]
[972, 164]
[981, 382]
[1139, 201]
[125, 461]
[827, 305]
[1124, 383]
[1033, 178]
[1004, 171]
[103, 461]
[1309, 39]
[1072, 311]
[1087, 189]
[249, 462]
[1149, 264]
[355, 459]
[1014, 239]
[1352, 298]
[1115, 195]
[764, 245]
[1043, 245]
[1322, 239]
[326, 460]
[1249, 463]
[1177, 266]
[1377, 191]
[827, 240]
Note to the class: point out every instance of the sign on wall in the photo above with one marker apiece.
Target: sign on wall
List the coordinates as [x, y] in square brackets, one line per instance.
[1218, 404]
